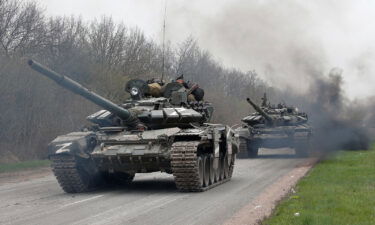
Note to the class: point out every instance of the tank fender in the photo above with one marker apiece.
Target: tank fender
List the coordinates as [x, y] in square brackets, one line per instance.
[75, 143]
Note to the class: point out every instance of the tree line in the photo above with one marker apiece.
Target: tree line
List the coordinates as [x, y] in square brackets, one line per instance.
[102, 55]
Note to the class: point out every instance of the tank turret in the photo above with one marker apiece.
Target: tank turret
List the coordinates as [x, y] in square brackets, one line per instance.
[260, 111]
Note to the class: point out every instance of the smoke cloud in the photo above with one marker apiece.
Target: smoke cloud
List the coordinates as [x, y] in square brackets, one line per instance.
[338, 122]
[266, 35]
[294, 45]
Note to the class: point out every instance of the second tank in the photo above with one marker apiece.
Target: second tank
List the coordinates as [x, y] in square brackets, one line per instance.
[274, 126]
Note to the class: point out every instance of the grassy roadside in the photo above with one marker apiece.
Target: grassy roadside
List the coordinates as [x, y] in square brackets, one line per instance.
[340, 190]
[12, 167]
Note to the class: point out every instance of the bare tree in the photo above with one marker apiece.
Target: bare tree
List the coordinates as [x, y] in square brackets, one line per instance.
[102, 55]
[107, 42]
[21, 27]
[65, 37]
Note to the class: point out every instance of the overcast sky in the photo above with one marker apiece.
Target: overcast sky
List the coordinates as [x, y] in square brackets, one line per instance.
[277, 38]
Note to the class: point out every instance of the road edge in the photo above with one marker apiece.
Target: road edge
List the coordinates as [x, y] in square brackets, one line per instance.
[24, 175]
[263, 206]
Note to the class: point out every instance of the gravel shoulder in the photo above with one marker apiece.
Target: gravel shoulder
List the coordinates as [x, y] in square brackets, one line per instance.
[263, 206]
[24, 175]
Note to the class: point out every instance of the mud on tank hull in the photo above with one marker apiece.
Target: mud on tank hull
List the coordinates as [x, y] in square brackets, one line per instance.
[199, 158]
[297, 137]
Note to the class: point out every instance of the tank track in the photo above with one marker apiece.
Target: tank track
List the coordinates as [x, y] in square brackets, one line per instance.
[185, 169]
[68, 174]
[243, 145]
[243, 151]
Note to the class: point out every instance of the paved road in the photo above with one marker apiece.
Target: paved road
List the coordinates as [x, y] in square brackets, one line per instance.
[150, 199]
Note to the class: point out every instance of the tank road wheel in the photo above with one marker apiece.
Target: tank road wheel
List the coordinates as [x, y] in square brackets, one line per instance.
[212, 171]
[222, 168]
[201, 170]
[225, 167]
[75, 174]
[231, 165]
[217, 173]
[207, 168]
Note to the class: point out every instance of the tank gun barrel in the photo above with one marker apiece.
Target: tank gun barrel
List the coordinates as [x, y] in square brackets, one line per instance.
[77, 88]
[259, 110]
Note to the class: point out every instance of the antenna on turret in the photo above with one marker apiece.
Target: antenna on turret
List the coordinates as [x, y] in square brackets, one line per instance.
[163, 57]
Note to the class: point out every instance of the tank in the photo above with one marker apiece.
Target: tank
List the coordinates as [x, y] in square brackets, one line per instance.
[273, 126]
[159, 128]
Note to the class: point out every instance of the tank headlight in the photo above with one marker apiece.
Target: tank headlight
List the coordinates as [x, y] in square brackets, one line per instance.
[134, 91]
